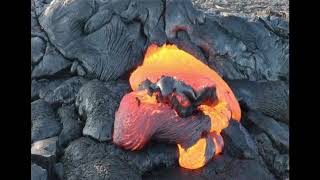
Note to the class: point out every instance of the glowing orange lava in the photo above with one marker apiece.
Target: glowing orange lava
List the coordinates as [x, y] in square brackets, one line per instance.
[193, 157]
[168, 60]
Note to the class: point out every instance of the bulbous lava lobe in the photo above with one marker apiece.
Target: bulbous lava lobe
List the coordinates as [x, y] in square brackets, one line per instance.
[141, 118]
[137, 120]
[168, 60]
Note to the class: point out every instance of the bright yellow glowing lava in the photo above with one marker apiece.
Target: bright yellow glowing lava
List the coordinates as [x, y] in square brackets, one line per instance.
[193, 157]
[219, 115]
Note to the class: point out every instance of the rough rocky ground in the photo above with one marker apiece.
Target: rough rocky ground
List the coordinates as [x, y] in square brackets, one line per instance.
[82, 51]
[247, 7]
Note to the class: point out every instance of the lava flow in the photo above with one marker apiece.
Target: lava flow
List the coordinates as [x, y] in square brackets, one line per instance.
[177, 99]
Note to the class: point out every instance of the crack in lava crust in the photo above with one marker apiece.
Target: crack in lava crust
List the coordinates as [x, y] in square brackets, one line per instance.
[142, 117]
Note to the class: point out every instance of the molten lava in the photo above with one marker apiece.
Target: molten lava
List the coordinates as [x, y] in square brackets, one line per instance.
[170, 61]
[141, 116]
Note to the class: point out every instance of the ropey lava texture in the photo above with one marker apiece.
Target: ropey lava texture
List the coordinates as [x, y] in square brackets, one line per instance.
[106, 39]
[82, 53]
[177, 99]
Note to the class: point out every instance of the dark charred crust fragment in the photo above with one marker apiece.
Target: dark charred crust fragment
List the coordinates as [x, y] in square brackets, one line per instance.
[210, 148]
[169, 90]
